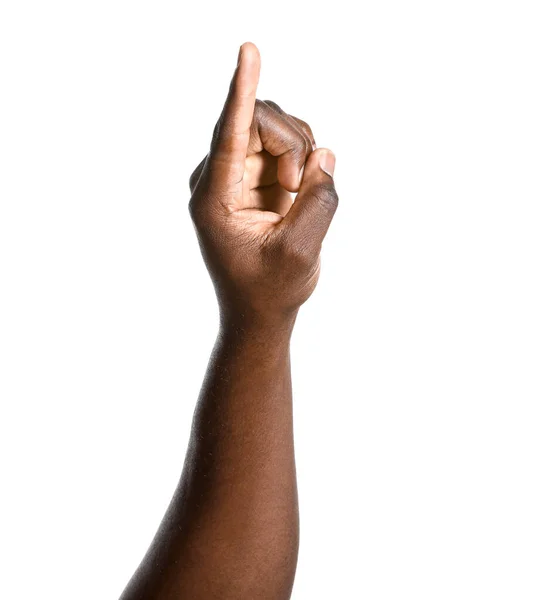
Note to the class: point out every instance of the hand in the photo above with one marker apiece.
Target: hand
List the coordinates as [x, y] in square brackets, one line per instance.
[261, 249]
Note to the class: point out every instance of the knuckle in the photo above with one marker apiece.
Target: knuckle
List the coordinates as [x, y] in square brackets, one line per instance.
[310, 135]
[307, 142]
[305, 126]
[273, 105]
[264, 118]
[260, 108]
[300, 147]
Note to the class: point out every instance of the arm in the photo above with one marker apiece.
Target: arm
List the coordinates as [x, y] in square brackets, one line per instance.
[231, 529]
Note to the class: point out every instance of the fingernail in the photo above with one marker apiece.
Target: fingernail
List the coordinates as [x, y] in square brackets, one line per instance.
[300, 176]
[327, 162]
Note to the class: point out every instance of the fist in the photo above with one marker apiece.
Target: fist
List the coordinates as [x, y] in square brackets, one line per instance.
[261, 248]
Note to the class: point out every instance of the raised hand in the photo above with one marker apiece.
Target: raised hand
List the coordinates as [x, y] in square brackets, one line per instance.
[261, 249]
[231, 530]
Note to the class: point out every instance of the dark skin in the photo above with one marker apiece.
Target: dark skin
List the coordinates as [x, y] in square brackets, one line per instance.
[231, 529]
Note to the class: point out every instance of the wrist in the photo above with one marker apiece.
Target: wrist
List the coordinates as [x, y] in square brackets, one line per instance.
[244, 322]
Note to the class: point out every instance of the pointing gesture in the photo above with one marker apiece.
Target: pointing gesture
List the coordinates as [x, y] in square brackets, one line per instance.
[261, 248]
[231, 530]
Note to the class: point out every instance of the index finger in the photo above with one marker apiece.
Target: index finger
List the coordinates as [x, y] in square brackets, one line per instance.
[232, 131]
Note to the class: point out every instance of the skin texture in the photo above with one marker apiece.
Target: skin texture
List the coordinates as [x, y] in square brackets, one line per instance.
[231, 529]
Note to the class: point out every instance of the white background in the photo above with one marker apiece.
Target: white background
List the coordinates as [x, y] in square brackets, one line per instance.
[412, 363]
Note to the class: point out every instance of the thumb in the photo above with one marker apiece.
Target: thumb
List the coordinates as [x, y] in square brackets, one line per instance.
[316, 202]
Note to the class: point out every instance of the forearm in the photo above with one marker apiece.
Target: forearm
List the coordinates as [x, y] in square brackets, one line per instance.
[231, 530]
[241, 458]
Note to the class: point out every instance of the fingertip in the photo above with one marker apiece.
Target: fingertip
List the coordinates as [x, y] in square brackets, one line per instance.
[319, 166]
[324, 159]
[248, 69]
[249, 53]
